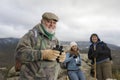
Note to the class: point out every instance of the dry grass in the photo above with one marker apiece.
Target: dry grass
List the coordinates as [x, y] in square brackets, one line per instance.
[116, 74]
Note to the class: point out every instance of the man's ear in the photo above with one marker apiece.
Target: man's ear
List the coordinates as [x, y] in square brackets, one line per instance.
[42, 21]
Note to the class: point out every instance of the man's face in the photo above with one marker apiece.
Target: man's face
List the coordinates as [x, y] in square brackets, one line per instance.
[94, 39]
[50, 25]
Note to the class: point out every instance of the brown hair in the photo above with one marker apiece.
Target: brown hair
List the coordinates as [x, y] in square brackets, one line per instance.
[74, 52]
[94, 34]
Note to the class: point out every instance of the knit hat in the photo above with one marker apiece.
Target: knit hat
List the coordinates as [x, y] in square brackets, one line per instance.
[49, 15]
[73, 44]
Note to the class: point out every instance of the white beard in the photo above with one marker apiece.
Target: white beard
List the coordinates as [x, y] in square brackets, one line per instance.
[51, 31]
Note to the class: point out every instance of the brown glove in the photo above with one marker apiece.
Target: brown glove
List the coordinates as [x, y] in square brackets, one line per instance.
[50, 54]
[62, 57]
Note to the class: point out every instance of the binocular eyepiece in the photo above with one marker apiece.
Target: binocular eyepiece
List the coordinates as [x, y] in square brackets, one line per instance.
[58, 48]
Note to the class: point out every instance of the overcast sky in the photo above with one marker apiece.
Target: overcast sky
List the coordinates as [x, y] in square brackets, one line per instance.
[78, 18]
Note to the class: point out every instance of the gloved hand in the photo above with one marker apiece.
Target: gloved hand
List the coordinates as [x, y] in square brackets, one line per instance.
[94, 55]
[74, 56]
[62, 57]
[78, 64]
[50, 54]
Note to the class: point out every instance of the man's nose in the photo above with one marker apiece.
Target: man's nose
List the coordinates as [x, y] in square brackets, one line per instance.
[52, 26]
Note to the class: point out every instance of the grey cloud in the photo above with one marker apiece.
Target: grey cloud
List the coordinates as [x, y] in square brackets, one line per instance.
[78, 18]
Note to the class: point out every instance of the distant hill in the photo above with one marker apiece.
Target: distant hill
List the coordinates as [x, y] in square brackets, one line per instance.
[7, 48]
[8, 45]
[84, 45]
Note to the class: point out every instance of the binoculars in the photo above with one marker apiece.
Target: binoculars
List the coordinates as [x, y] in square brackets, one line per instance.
[58, 48]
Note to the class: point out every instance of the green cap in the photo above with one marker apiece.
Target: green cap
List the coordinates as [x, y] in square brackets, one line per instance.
[49, 15]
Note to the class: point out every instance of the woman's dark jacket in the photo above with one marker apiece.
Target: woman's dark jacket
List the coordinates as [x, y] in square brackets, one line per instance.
[102, 52]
